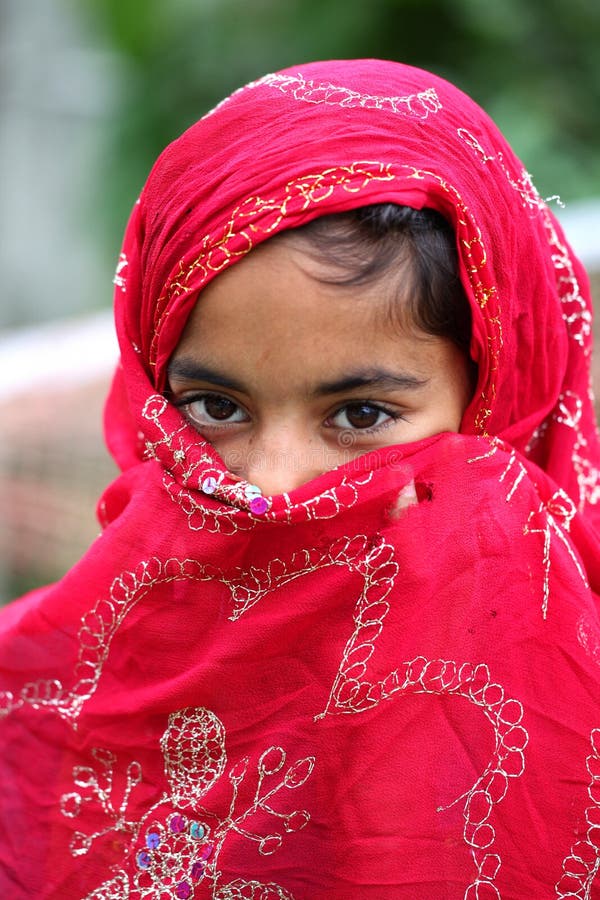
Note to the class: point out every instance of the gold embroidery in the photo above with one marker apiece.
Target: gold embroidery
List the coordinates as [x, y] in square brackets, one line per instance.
[514, 466]
[576, 313]
[551, 518]
[115, 889]
[254, 219]
[568, 412]
[251, 890]
[582, 865]
[177, 843]
[181, 451]
[524, 185]
[588, 635]
[554, 518]
[371, 558]
[228, 520]
[486, 295]
[505, 714]
[120, 279]
[419, 105]
[96, 786]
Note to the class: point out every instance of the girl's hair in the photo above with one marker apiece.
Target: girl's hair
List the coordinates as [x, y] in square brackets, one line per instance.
[371, 242]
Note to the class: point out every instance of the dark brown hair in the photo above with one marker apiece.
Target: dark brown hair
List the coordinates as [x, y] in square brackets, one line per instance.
[370, 242]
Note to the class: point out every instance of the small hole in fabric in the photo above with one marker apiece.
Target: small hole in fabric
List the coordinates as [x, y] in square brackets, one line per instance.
[424, 491]
[411, 494]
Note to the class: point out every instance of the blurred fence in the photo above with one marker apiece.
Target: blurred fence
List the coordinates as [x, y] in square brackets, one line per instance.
[53, 463]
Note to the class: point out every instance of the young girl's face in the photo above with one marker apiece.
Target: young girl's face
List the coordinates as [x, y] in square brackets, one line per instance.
[288, 377]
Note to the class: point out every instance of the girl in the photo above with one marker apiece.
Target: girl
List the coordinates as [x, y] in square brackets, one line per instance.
[340, 635]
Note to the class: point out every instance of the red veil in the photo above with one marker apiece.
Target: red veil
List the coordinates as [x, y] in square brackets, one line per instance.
[337, 692]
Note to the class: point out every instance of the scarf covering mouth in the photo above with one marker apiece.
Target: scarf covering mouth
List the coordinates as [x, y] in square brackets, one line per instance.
[385, 684]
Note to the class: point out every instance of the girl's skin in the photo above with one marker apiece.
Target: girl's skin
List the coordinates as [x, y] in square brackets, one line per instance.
[288, 377]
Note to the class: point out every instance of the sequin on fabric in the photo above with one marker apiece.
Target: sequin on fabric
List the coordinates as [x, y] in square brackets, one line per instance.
[181, 849]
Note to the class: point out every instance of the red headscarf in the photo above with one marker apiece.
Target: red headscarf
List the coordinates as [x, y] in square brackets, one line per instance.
[385, 684]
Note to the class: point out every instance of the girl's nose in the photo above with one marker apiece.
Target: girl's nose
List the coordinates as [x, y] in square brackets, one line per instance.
[278, 463]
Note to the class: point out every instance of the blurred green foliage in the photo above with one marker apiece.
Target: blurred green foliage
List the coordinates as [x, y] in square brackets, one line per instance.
[533, 64]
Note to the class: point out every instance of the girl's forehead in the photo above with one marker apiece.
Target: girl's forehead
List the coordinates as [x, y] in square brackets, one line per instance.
[275, 308]
[284, 275]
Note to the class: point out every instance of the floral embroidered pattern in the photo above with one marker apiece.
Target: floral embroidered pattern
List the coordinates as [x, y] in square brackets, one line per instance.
[553, 518]
[569, 412]
[251, 890]
[371, 558]
[419, 105]
[115, 889]
[515, 471]
[228, 520]
[588, 635]
[96, 786]
[353, 693]
[576, 314]
[177, 844]
[582, 865]
[523, 185]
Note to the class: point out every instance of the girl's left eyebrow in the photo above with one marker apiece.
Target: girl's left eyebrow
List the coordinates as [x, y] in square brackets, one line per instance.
[380, 379]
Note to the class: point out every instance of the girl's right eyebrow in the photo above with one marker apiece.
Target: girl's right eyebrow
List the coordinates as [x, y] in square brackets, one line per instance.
[190, 370]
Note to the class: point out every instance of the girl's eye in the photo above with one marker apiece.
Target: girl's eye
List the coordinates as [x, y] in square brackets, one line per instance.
[212, 409]
[361, 416]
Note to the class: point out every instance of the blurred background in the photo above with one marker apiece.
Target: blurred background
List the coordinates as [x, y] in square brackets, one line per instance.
[92, 90]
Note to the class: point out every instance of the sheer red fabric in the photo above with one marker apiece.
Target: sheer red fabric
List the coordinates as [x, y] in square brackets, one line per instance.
[385, 684]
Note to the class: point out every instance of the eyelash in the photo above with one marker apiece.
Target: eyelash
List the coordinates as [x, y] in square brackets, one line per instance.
[184, 403]
[392, 415]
